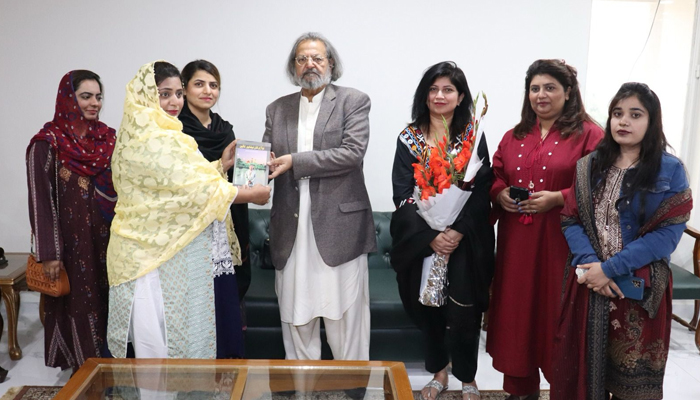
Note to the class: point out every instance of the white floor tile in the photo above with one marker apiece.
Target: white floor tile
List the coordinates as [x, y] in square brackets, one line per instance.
[679, 383]
[682, 380]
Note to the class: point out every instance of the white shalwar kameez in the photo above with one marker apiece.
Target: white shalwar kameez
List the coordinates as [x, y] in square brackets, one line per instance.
[308, 289]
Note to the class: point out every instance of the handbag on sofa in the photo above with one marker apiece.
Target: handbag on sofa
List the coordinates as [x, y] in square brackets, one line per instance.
[39, 282]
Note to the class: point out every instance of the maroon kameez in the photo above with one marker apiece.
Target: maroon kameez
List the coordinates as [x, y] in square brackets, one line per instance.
[71, 206]
[75, 324]
[611, 344]
[530, 259]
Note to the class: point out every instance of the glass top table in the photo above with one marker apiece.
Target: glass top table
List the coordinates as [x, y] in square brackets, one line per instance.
[115, 378]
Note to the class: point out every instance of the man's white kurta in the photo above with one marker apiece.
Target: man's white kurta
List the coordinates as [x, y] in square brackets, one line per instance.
[307, 288]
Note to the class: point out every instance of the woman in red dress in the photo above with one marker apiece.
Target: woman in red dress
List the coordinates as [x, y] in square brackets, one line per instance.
[540, 155]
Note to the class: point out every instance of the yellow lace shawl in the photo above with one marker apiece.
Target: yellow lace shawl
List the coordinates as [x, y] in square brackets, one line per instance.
[168, 193]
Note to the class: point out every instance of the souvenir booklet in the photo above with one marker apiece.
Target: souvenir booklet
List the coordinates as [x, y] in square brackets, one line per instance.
[250, 166]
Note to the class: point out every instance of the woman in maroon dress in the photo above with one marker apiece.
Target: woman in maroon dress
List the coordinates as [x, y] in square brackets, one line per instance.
[625, 215]
[71, 205]
[539, 154]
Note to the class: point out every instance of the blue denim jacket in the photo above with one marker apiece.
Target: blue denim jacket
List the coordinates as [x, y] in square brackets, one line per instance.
[637, 251]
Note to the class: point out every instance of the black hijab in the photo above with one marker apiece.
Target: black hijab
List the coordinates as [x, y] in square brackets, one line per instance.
[212, 141]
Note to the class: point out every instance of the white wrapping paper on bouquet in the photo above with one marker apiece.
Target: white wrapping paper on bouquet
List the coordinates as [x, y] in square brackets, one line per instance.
[439, 212]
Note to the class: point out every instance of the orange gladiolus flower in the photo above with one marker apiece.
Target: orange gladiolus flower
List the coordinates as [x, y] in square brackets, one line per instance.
[427, 192]
[435, 164]
[462, 159]
[418, 170]
[444, 183]
[460, 162]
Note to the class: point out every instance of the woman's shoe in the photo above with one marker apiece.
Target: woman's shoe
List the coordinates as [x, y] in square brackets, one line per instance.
[470, 390]
[433, 384]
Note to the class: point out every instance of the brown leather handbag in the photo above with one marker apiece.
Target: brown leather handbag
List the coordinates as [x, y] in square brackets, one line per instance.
[38, 282]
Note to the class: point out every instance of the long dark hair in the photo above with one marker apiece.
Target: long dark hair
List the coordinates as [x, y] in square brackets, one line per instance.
[574, 113]
[200, 65]
[164, 70]
[652, 147]
[462, 114]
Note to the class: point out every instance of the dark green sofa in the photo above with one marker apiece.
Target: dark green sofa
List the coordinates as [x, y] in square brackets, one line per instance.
[686, 286]
[393, 335]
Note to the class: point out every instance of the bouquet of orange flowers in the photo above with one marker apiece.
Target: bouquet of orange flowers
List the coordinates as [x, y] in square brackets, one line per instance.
[440, 167]
[444, 168]
[443, 177]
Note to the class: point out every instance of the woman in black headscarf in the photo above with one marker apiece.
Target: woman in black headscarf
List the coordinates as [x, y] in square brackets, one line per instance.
[202, 83]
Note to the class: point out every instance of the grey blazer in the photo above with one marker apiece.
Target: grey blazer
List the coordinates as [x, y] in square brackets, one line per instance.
[341, 213]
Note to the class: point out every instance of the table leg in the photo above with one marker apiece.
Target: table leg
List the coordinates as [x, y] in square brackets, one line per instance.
[11, 298]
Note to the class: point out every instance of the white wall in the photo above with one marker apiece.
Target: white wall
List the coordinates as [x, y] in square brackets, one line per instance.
[385, 45]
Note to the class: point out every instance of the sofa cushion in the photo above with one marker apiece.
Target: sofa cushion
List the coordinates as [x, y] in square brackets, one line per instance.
[686, 286]
[381, 259]
[385, 304]
[262, 309]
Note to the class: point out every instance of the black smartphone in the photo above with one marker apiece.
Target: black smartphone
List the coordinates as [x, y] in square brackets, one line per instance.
[518, 193]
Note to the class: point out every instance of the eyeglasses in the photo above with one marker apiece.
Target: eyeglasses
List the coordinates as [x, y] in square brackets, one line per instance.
[302, 60]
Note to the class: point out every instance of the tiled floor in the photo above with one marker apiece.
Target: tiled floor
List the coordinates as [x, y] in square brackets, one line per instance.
[682, 371]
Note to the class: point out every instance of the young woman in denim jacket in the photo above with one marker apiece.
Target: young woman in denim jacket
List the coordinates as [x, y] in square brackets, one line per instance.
[629, 211]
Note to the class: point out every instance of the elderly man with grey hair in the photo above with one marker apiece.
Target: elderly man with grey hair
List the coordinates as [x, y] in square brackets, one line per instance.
[321, 225]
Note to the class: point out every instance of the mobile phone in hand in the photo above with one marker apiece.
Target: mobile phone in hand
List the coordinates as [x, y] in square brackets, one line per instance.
[518, 193]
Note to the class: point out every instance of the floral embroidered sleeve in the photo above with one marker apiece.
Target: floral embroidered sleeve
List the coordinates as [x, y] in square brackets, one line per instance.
[402, 174]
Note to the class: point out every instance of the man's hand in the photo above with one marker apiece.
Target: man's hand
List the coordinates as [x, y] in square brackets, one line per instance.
[280, 165]
[270, 164]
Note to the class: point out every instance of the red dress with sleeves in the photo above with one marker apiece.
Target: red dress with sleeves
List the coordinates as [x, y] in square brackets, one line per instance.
[530, 259]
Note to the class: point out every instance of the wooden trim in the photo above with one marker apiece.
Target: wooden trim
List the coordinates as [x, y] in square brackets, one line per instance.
[692, 232]
[239, 386]
[80, 381]
[696, 249]
[395, 376]
[401, 383]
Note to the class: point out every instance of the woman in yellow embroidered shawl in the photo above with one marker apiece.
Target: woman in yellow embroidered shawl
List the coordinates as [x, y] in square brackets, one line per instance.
[168, 233]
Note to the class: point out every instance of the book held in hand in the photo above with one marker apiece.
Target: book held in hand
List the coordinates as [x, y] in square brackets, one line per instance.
[250, 165]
